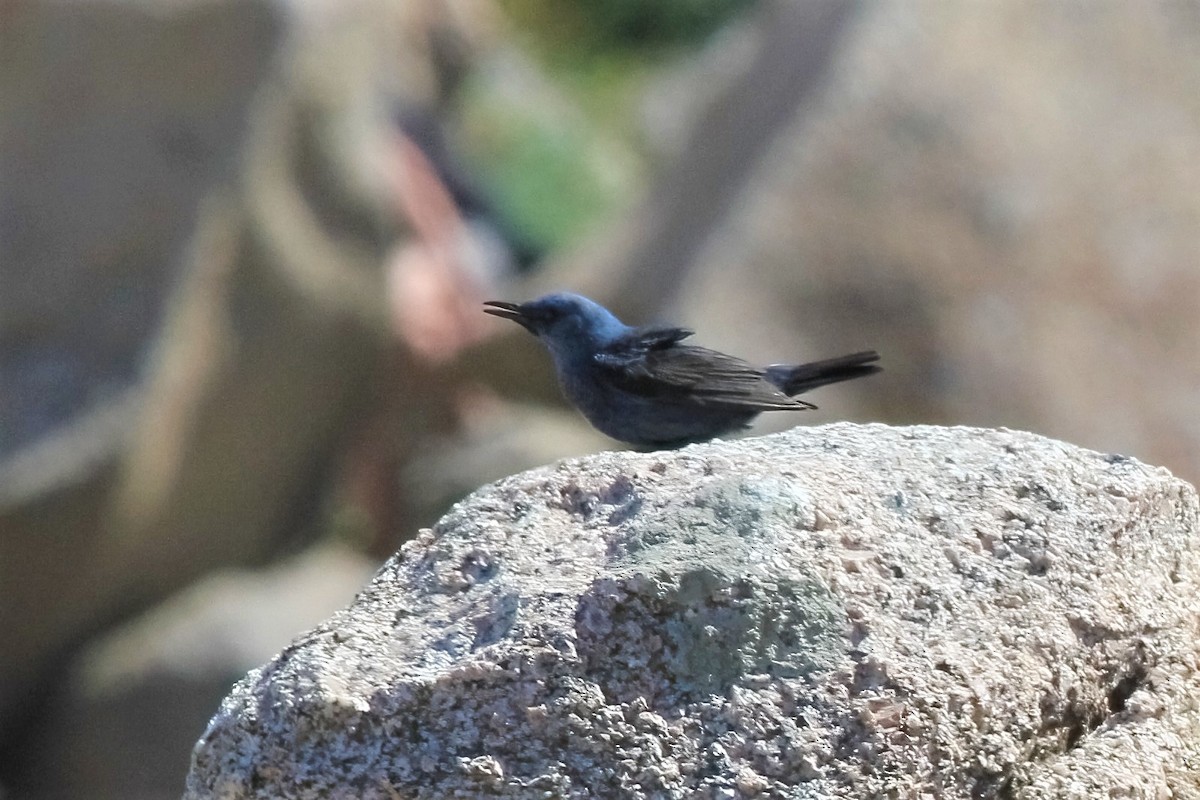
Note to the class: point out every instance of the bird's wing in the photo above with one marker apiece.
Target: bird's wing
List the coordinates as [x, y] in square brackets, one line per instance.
[633, 347]
[655, 337]
[650, 362]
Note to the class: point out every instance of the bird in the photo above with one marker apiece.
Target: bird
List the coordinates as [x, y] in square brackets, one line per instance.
[645, 387]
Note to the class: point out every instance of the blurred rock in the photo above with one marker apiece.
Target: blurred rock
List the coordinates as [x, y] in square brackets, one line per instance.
[780, 60]
[115, 122]
[1003, 201]
[1005, 204]
[834, 612]
[124, 722]
[237, 155]
[492, 446]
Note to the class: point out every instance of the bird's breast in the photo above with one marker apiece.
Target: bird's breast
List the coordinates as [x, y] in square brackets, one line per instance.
[584, 387]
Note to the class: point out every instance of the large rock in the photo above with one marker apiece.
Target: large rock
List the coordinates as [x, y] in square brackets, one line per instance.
[832, 612]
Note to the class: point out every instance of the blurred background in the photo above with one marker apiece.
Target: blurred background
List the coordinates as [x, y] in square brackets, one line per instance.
[243, 245]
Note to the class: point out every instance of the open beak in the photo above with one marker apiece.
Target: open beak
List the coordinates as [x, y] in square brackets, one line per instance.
[505, 310]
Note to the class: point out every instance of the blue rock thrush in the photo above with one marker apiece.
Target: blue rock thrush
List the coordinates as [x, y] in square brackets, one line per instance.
[642, 386]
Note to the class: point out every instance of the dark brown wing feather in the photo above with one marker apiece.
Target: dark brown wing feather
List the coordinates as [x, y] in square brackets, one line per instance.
[649, 362]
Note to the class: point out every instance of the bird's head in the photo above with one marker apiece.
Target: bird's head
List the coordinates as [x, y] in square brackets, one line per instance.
[562, 320]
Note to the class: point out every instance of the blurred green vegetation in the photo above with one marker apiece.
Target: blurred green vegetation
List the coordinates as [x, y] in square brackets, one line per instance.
[545, 171]
[557, 171]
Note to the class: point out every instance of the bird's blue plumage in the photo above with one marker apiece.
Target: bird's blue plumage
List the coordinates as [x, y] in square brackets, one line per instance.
[645, 387]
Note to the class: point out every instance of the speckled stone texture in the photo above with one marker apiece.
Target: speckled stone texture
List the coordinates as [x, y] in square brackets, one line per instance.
[833, 612]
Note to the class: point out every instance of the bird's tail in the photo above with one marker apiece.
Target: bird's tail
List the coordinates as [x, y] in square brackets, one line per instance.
[793, 380]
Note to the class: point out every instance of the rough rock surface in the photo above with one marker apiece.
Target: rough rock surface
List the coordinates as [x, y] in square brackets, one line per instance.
[835, 612]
